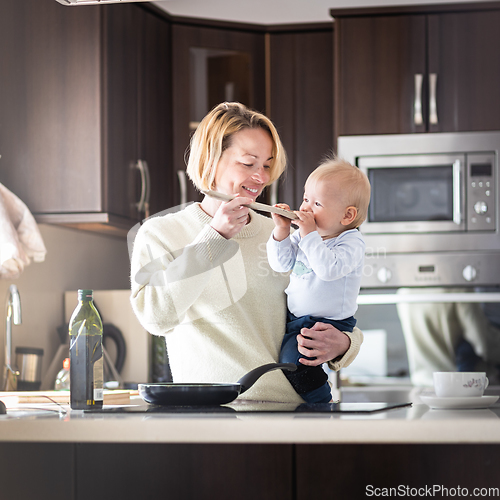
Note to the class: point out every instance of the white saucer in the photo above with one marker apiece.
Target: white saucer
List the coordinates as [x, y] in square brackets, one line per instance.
[458, 403]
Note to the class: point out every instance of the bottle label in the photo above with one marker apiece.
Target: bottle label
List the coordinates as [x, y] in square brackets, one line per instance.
[98, 379]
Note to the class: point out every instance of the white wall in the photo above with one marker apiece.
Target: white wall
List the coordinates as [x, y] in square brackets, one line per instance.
[75, 259]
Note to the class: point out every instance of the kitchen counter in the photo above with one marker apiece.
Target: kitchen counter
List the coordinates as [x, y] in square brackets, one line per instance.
[73, 455]
[412, 424]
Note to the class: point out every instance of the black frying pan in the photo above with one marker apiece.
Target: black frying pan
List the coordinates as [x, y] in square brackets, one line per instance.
[160, 393]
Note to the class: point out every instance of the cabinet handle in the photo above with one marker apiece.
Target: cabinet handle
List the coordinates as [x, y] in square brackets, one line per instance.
[417, 105]
[181, 174]
[143, 203]
[273, 197]
[457, 203]
[433, 116]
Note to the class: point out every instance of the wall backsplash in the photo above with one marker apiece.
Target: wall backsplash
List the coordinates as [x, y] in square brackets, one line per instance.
[75, 259]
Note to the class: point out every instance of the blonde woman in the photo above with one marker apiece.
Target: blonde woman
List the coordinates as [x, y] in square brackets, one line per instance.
[200, 277]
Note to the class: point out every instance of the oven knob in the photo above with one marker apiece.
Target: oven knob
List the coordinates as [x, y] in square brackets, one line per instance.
[469, 273]
[384, 274]
[480, 207]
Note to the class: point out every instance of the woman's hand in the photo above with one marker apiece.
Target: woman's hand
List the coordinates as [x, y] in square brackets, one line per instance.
[282, 229]
[323, 342]
[231, 217]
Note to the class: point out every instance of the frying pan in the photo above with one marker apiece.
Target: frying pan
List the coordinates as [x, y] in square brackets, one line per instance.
[160, 393]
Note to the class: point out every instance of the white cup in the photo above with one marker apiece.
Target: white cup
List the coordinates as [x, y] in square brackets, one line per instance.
[459, 384]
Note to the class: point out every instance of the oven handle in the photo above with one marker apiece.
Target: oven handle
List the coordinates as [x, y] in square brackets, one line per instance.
[457, 213]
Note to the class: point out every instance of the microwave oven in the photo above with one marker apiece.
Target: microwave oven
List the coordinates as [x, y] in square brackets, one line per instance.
[434, 212]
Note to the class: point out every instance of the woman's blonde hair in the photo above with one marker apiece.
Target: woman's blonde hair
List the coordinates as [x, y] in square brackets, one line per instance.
[214, 135]
[355, 184]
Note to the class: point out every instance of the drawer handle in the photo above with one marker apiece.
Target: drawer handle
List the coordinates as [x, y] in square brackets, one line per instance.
[433, 116]
[417, 105]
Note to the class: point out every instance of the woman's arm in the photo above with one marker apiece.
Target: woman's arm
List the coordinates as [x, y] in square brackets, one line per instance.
[329, 345]
[166, 284]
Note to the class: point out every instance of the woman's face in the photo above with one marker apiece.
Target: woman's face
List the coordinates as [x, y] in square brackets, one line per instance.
[244, 167]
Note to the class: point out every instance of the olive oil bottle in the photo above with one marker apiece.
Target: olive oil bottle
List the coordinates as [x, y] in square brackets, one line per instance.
[86, 354]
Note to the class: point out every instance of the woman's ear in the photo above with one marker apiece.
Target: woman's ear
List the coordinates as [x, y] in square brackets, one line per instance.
[349, 216]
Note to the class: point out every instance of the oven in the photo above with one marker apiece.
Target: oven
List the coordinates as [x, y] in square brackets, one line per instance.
[434, 214]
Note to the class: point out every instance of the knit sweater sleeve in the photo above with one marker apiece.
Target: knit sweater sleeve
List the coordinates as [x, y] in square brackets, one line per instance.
[356, 338]
[166, 282]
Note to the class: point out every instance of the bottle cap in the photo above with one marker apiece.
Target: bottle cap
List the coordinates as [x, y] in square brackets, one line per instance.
[66, 364]
[85, 294]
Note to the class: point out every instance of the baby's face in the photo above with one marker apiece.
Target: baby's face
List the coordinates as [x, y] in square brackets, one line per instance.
[326, 201]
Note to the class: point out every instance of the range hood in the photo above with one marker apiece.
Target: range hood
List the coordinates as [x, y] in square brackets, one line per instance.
[97, 2]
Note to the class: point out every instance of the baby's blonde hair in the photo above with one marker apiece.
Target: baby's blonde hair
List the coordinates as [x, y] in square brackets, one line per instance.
[214, 135]
[354, 182]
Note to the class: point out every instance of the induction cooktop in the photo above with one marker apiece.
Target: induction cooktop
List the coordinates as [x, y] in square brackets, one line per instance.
[259, 407]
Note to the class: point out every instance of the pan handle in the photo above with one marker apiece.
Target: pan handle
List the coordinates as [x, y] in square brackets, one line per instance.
[251, 377]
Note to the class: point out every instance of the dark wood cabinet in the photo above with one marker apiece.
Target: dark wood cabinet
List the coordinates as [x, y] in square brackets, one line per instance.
[464, 53]
[74, 471]
[120, 83]
[357, 471]
[50, 105]
[301, 103]
[417, 71]
[376, 60]
[84, 95]
[185, 471]
[198, 52]
[154, 120]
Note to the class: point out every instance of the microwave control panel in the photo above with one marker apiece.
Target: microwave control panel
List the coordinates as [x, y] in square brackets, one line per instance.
[481, 192]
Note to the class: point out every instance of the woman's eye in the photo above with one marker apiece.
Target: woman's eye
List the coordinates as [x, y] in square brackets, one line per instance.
[267, 167]
[248, 164]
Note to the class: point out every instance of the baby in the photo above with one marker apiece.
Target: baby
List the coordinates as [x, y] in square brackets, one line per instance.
[326, 257]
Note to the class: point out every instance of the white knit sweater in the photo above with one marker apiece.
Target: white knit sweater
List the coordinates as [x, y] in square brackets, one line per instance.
[219, 305]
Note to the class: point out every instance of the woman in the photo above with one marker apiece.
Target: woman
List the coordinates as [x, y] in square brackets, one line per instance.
[200, 277]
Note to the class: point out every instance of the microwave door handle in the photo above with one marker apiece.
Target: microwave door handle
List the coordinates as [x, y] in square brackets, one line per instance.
[417, 104]
[457, 213]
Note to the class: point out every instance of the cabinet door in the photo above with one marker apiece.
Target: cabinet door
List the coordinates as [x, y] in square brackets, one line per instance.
[120, 83]
[377, 59]
[301, 77]
[464, 54]
[191, 80]
[155, 114]
[50, 105]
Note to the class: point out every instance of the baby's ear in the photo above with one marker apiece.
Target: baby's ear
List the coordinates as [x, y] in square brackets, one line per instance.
[349, 215]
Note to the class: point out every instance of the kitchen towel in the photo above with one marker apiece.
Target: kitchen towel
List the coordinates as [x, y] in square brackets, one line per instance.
[20, 238]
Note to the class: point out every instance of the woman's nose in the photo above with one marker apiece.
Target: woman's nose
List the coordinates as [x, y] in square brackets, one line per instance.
[262, 175]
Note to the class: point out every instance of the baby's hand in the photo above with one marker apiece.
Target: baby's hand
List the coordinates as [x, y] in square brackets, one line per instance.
[305, 222]
[282, 229]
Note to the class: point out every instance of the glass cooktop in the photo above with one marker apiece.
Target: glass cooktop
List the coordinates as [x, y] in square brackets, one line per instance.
[259, 407]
